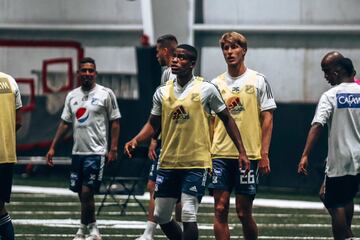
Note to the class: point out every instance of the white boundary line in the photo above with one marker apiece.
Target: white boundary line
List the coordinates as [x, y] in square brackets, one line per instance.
[258, 202]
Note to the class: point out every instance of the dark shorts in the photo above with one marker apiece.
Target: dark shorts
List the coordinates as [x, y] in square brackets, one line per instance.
[153, 170]
[170, 183]
[86, 170]
[339, 191]
[6, 177]
[226, 176]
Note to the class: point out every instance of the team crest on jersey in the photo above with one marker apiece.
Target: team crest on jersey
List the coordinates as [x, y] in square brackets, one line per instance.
[249, 89]
[234, 105]
[180, 115]
[82, 115]
[195, 97]
[95, 101]
[348, 100]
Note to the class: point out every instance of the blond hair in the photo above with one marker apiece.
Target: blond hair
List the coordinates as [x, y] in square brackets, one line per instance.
[233, 37]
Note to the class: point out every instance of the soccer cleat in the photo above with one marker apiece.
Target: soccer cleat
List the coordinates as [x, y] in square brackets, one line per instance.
[79, 237]
[93, 237]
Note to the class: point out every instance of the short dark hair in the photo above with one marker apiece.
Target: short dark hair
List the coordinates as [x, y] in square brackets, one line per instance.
[345, 64]
[191, 49]
[87, 60]
[167, 41]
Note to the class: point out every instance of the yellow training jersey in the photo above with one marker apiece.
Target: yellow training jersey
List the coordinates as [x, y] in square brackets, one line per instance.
[185, 130]
[7, 120]
[244, 107]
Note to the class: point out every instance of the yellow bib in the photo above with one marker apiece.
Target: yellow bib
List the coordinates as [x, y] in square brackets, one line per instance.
[7, 122]
[244, 108]
[185, 130]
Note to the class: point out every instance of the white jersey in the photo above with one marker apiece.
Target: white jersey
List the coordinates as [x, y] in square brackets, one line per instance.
[167, 75]
[210, 97]
[339, 108]
[263, 90]
[90, 114]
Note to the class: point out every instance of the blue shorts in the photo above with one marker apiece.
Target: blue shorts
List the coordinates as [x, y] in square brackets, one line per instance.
[86, 170]
[6, 177]
[226, 176]
[170, 183]
[153, 170]
[339, 191]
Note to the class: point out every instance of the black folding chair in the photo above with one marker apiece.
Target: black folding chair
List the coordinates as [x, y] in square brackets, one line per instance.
[125, 176]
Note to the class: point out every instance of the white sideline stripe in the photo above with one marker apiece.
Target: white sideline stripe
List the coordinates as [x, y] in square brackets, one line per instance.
[163, 237]
[211, 214]
[258, 202]
[126, 224]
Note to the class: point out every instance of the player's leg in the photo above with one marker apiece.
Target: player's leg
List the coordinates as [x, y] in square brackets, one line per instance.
[192, 190]
[338, 199]
[245, 193]
[151, 222]
[167, 193]
[6, 227]
[220, 187]
[92, 176]
[221, 207]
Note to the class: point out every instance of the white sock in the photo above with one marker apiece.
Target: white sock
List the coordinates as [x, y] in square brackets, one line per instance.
[82, 229]
[150, 229]
[93, 229]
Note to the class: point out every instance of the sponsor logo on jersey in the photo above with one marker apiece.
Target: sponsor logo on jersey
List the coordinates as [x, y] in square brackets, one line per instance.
[348, 100]
[179, 114]
[82, 114]
[234, 105]
[95, 101]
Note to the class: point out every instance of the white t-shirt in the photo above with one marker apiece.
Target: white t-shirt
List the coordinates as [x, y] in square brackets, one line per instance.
[90, 113]
[339, 108]
[209, 96]
[263, 90]
[167, 75]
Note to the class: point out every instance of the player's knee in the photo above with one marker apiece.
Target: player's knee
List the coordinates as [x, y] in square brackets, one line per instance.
[150, 186]
[221, 211]
[244, 215]
[163, 209]
[190, 205]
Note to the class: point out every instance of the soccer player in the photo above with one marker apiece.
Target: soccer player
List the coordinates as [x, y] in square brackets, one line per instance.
[249, 99]
[165, 48]
[90, 109]
[10, 122]
[182, 108]
[339, 108]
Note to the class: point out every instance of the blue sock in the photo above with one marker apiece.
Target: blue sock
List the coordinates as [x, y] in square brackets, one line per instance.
[6, 228]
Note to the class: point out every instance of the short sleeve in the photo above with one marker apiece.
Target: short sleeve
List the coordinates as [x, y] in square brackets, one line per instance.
[266, 97]
[157, 101]
[112, 106]
[67, 115]
[323, 111]
[214, 100]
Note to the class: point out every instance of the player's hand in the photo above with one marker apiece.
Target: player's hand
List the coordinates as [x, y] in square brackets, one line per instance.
[244, 163]
[152, 149]
[130, 147]
[303, 165]
[112, 155]
[49, 157]
[264, 164]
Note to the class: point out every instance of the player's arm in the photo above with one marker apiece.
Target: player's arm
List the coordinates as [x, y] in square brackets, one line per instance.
[149, 129]
[312, 138]
[18, 119]
[115, 133]
[60, 132]
[266, 119]
[235, 136]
